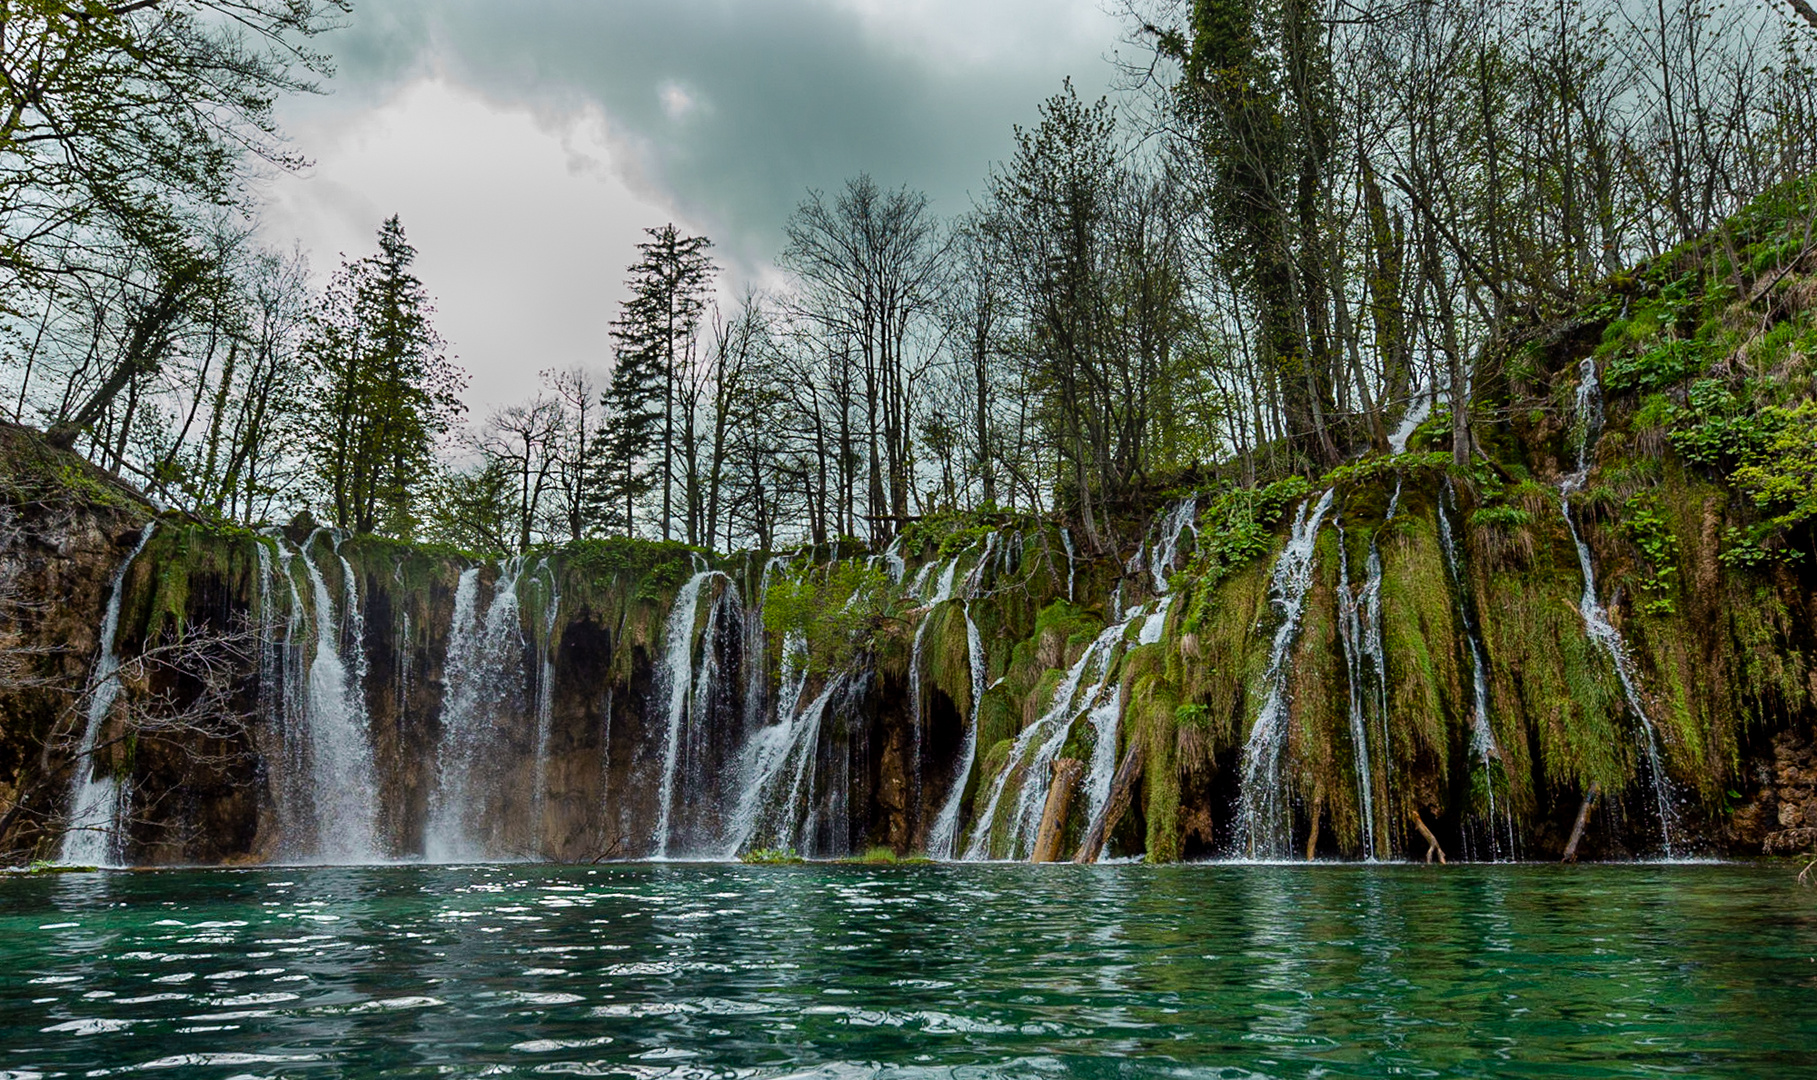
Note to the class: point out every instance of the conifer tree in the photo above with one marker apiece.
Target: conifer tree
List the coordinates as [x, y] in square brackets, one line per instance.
[384, 393]
[628, 438]
[656, 338]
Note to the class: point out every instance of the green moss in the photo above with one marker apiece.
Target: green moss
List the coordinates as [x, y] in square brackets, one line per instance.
[774, 857]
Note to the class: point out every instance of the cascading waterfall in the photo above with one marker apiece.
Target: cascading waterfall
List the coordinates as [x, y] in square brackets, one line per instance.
[1373, 635]
[1166, 548]
[1483, 747]
[775, 805]
[484, 674]
[545, 693]
[339, 739]
[1032, 755]
[944, 839]
[1419, 407]
[1264, 818]
[92, 835]
[712, 731]
[941, 596]
[677, 676]
[892, 558]
[1596, 617]
[289, 708]
[1350, 634]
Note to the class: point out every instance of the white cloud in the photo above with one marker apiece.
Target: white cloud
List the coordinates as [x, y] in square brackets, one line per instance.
[677, 102]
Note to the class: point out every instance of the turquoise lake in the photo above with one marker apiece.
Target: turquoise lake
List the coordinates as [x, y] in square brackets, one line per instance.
[684, 970]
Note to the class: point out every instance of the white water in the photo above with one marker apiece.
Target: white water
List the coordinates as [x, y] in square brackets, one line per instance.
[1483, 747]
[91, 834]
[545, 697]
[974, 581]
[1418, 409]
[1373, 636]
[1264, 818]
[677, 677]
[893, 559]
[1595, 616]
[914, 678]
[484, 676]
[1350, 633]
[1032, 755]
[767, 814]
[1155, 623]
[1166, 548]
[444, 836]
[345, 794]
[943, 840]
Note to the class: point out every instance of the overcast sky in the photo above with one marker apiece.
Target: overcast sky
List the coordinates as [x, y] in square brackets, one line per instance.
[526, 143]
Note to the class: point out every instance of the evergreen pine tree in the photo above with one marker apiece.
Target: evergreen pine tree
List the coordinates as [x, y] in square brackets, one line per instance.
[384, 393]
[654, 340]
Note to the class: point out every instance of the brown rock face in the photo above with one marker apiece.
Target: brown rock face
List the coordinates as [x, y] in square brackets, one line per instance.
[1793, 795]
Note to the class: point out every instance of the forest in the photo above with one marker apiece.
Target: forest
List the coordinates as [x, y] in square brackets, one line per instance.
[1299, 228]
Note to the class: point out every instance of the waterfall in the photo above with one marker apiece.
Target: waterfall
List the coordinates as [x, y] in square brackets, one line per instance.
[483, 676]
[545, 696]
[711, 730]
[1264, 818]
[1483, 747]
[339, 740]
[942, 594]
[776, 777]
[91, 834]
[1033, 753]
[944, 839]
[1373, 637]
[892, 558]
[1039, 744]
[1350, 634]
[1155, 624]
[676, 678]
[290, 710]
[1418, 409]
[974, 581]
[1166, 548]
[1595, 616]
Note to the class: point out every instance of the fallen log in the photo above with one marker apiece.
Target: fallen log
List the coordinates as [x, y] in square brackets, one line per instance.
[1583, 818]
[1122, 790]
[1067, 772]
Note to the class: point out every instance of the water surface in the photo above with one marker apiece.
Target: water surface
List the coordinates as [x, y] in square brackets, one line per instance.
[688, 970]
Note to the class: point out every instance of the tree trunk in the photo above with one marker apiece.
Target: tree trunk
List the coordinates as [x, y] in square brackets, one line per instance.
[1318, 811]
[1122, 790]
[1432, 845]
[1067, 772]
[1583, 818]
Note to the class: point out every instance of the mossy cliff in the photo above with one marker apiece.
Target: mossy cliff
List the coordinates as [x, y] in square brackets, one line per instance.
[1433, 667]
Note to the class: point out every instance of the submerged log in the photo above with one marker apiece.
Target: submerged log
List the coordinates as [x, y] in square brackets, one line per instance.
[1059, 800]
[1122, 789]
[1583, 818]
[1432, 845]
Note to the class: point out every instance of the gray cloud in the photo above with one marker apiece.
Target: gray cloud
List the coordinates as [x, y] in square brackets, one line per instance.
[731, 110]
[526, 142]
